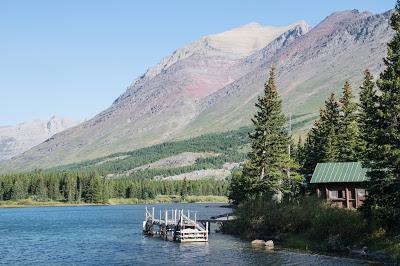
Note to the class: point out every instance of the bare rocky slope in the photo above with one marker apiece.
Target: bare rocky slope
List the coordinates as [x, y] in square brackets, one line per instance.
[308, 69]
[211, 85]
[19, 138]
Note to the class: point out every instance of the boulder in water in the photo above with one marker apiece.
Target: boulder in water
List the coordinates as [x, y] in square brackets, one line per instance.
[269, 245]
[258, 242]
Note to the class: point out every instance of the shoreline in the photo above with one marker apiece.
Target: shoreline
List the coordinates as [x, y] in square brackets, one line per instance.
[283, 247]
[28, 203]
[12, 205]
[299, 243]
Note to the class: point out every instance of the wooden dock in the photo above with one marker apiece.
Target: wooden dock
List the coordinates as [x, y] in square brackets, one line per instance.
[219, 219]
[176, 225]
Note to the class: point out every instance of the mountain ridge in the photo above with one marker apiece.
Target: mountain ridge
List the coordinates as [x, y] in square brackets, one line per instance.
[208, 92]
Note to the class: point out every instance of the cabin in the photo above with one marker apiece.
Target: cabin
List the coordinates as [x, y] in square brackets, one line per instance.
[342, 183]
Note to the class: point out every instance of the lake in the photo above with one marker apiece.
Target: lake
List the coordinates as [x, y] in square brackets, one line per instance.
[112, 235]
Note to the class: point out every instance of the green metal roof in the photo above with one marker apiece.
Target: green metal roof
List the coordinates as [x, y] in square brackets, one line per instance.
[339, 172]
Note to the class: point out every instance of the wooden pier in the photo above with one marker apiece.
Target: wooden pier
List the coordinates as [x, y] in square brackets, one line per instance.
[176, 225]
[219, 219]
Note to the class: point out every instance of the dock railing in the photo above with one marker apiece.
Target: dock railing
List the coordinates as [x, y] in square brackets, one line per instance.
[175, 224]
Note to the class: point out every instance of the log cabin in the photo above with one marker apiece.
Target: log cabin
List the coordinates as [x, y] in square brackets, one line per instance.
[342, 183]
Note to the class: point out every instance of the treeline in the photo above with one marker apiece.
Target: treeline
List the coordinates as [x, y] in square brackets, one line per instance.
[92, 188]
[340, 134]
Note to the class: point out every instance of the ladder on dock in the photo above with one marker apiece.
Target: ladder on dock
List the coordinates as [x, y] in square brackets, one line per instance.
[175, 225]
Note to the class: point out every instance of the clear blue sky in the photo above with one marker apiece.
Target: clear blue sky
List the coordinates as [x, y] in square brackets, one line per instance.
[73, 58]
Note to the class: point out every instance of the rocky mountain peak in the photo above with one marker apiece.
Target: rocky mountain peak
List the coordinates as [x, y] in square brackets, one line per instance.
[344, 17]
[245, 40]
[236, 43]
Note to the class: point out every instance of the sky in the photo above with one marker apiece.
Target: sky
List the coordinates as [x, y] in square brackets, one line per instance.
[73, 58]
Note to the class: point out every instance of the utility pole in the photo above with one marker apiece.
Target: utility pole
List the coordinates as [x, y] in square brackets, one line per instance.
[290, 135]
[290, 131]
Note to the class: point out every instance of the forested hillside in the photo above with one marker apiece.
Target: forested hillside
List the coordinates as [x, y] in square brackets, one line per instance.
[227, 147]
[115, 176]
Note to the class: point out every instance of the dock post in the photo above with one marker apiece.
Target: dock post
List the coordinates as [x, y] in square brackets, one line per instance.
[160, 217]
[181, 218]
[152, 216]
[188, 214]
[166, 217]
[146, 215]
[175, 215]
[207, 231]
[195, 217]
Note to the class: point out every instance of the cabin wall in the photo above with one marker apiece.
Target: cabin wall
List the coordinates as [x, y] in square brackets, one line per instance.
[342, 195]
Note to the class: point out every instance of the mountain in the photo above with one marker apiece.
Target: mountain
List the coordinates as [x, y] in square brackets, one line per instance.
[211, 85]
[308, 69]
[19, 138]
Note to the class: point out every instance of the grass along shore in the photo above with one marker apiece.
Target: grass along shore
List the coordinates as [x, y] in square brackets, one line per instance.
[115, 201]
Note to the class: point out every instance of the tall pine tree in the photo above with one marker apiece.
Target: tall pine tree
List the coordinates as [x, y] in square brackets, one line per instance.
[93, 191]
[330, 120]
[321, 144]
[269, 160]
[383, 202]
[367, 116]
[241, 185]
[348, 137]
[18, 190]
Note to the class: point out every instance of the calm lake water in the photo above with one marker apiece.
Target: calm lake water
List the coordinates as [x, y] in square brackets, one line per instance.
[112, 235]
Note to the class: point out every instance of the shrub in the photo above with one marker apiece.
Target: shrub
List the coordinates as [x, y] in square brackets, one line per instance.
[346, 225]
[262, 218]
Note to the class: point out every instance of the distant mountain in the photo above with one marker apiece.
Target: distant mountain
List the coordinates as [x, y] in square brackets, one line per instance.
[17, 139]
[211, 85]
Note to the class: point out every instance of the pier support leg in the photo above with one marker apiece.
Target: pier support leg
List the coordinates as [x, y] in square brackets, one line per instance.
[176, 211]
[207, 230]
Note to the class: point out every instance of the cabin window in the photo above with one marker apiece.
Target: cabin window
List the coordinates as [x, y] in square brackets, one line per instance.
[336, 194]
[361, 193]
[333, 194]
